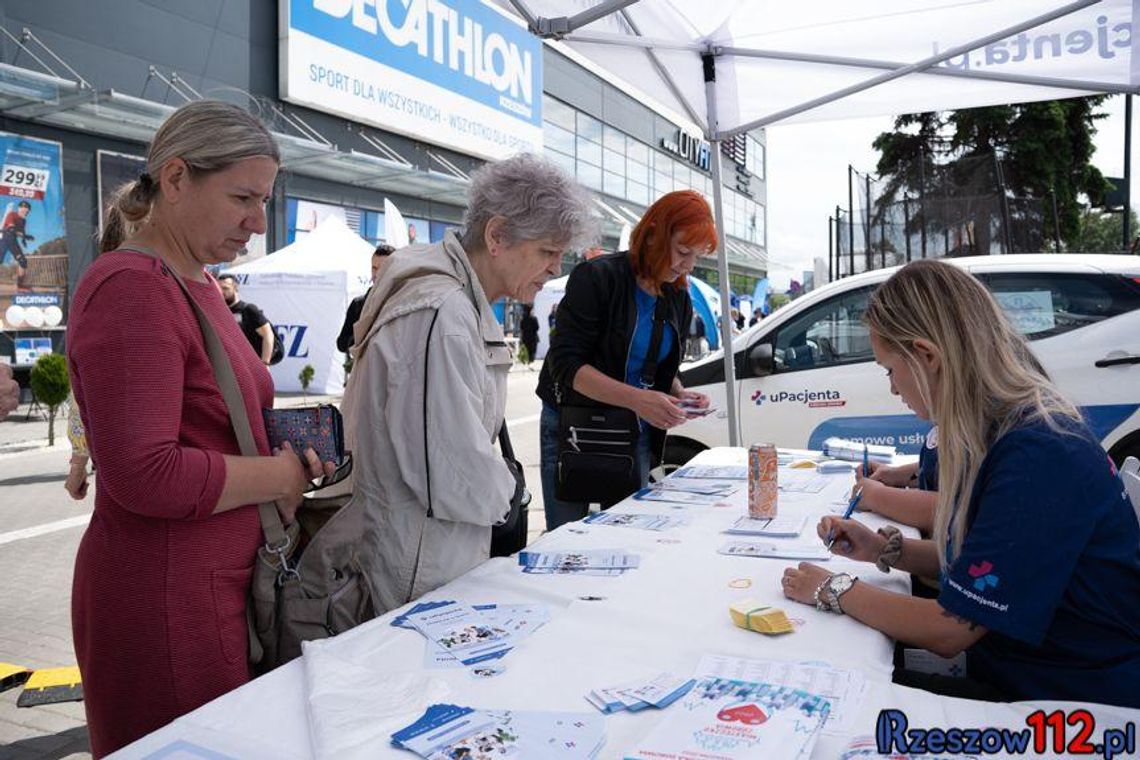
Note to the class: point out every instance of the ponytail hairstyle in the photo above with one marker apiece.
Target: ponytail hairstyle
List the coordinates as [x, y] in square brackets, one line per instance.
[209, 135]
[989, 380]
[651, 242]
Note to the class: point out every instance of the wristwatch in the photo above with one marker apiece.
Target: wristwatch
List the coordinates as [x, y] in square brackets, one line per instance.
[828, 593]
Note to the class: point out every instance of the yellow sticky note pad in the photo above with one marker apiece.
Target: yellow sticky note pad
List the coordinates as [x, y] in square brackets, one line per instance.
[754, 616]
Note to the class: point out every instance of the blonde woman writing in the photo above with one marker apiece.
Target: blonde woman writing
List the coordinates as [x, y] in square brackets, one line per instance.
[1034, 540]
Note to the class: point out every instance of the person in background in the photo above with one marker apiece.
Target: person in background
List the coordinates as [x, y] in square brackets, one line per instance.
[345, 340]
[14, 234]
[254, 325]
[528, 330]
[906, 493]
[164, 566]
[605, 323]
[427, 397]
[757, 315]
[1035, 541]
[9, 391]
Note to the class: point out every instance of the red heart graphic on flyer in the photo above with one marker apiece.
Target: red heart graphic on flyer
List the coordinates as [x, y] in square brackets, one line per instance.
[983, 568]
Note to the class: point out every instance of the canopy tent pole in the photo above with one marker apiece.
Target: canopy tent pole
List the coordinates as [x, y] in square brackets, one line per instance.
[913, 68]
[721, 252]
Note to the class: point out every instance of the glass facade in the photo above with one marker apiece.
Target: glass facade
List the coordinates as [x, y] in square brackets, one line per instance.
[609, 161]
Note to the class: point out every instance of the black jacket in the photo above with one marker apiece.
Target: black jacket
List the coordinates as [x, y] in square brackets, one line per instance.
[345, 340]
[595, 323]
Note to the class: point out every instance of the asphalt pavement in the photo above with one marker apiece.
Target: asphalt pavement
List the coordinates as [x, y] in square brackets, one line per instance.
[40, 529]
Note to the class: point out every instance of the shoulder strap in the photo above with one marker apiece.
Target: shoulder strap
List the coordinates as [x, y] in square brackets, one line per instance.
[427, 452]
[224, 375]
[649, 368]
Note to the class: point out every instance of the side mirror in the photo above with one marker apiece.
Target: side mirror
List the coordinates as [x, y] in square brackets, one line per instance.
[760, 360]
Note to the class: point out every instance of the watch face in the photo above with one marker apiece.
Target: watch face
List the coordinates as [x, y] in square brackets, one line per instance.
[841, 583]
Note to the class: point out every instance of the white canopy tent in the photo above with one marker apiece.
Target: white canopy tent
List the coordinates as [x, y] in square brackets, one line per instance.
[545, 302]
[304, 290]
[731, 66]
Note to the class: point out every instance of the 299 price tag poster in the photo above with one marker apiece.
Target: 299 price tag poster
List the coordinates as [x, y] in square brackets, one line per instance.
[33, 235]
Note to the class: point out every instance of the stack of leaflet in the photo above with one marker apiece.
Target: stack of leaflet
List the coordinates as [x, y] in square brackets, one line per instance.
[841, 448]
[604, 562]
[698, 490]
[731, 718]
[516, 620]
[626, 520]
[783, 526]
[714, 471]
[446, 732]
[660, 691]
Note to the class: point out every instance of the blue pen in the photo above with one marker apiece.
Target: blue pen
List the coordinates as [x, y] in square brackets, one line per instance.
[847, 514]
[866, 462]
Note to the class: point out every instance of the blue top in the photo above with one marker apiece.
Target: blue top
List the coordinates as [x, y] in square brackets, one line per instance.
[642, 333]
[928, 462]
[1051, 567]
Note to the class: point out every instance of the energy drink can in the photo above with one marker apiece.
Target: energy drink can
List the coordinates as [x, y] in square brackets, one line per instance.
[763, 491]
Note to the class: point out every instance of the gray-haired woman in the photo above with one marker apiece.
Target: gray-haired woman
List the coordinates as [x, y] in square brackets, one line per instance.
[427, 394]
[158, 599]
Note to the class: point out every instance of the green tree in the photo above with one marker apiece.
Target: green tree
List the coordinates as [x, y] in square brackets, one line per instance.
[306, 377]
[51, 384]
[1039, 150]
[1102, 232]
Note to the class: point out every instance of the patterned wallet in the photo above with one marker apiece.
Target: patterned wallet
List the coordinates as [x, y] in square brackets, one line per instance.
[318, 427]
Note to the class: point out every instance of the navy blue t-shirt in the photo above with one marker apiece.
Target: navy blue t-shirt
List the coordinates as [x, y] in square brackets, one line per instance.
[643, 332]
[928, 462]
[1051, 567]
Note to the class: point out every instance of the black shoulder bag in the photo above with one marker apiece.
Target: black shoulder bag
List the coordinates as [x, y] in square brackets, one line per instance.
[597, 445]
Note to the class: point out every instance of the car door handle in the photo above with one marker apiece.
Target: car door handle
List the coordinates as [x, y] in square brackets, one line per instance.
[1117, 361]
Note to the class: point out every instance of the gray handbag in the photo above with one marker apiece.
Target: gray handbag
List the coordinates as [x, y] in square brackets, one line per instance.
[307, 582]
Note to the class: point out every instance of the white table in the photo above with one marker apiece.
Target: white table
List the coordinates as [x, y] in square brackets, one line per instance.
[663, 616]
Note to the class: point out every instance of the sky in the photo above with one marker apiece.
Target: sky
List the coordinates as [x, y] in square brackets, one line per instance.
[807, 179]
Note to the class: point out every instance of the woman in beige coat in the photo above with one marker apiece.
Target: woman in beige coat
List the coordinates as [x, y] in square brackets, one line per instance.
[428, 390]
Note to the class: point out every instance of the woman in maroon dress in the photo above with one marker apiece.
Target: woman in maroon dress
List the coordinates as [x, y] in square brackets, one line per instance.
[158, 599]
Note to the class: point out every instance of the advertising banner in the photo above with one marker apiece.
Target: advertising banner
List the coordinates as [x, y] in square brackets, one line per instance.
[33, 237]
[459, 73]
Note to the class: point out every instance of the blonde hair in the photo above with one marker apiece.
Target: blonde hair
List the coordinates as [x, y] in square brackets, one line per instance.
[209, 135]
[989, 380]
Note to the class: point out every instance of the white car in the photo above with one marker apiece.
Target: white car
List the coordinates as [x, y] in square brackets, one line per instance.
[807, 373]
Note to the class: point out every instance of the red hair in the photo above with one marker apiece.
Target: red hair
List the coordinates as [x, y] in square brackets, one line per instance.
[684, 211]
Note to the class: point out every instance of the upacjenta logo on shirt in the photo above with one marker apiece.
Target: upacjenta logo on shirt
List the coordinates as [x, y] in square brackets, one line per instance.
[813, 399]
[984, 580]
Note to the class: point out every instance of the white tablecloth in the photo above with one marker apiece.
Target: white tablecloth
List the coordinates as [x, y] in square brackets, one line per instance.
[661, 617]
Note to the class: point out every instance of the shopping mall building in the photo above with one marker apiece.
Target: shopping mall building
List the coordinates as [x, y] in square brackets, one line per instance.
[367, 107]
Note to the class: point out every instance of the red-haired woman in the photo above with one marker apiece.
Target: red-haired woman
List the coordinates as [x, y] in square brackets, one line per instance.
[615, 309]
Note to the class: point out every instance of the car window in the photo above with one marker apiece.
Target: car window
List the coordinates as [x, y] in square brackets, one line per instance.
[1042, 304]
[830, 333]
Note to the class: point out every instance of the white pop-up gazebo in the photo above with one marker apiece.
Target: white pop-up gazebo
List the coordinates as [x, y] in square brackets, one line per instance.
[304, 290]
[730, 66]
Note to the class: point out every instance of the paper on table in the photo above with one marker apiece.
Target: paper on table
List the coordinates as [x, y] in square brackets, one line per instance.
[775, 551]
[801, 481]
[727, 719]
[697, 485]
[464, 632]
[843, 688]
[714, 471]
[787, 526]
[681, 497]
[632, 520]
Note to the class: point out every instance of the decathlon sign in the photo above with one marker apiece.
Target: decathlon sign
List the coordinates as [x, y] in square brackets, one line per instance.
[458, 73]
